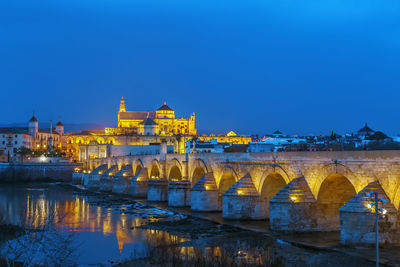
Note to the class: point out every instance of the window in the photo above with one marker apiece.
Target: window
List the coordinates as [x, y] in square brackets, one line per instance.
[16, 135]
[4, 142]
[16, 142]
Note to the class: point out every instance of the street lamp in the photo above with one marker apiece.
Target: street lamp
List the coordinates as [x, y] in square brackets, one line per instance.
[374, 197]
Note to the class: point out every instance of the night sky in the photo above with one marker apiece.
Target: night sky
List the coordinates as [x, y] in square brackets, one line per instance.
[250, 66]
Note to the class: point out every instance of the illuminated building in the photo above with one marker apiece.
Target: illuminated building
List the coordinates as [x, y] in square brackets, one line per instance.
[142, 128]
[32, 137]
[135, 128]
[163, 117]
[230, 137]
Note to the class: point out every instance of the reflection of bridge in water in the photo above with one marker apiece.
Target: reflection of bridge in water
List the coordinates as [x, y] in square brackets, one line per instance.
[299, 191]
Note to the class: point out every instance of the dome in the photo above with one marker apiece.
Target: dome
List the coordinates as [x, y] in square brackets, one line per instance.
[148, 122]
[59, 123]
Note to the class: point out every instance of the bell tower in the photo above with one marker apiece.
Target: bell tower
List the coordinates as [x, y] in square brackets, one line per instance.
[33, 126]
[122, 107]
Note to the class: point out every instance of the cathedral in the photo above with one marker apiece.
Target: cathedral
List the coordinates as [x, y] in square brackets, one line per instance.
[135, 128]
[159, 122]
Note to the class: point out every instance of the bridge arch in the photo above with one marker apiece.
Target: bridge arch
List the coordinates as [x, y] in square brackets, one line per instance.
[227, 178]
[175, 172]
[137, 166]
[155, 169]
[199, 169]
[331, 169]
[335, 191]
[271, 185]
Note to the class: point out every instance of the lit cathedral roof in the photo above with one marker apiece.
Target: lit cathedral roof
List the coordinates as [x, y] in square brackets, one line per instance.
[136, 115]
[165, 107]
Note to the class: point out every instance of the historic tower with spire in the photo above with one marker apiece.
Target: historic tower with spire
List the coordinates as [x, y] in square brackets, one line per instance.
[33, 126]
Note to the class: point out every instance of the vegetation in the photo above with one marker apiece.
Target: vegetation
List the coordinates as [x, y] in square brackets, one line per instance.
[171, 256]
[36, 242]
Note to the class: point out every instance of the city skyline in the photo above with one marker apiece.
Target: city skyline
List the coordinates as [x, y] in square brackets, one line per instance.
[319, 68]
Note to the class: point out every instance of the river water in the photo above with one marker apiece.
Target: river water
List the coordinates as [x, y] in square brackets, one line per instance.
[103, 231]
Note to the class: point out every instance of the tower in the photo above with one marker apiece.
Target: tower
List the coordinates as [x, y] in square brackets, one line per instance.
[122, 107]
[33, 126]
[60, 128]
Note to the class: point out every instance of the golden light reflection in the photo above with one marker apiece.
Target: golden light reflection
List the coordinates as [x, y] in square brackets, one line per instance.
[240, 192]
[79, 216]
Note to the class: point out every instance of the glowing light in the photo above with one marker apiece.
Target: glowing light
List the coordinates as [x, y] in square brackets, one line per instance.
[124, 174]
[369, 206]
[110, 174]
[384, 211]
[293, 198]
[100, 172]
[240, 192]
[207, 187]
[42, 158]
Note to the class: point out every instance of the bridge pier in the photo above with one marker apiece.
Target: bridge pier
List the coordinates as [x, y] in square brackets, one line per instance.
[205, 195]
[292, 208]
[77, 177]
[357, 220]
[139, 184]
[157, 190]
[122, 180]
[106, 179]
[93, 179]
[242, 201]
[179, 193]
[84, 179]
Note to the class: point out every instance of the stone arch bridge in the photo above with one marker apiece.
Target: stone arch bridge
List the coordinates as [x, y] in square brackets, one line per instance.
[301, 191]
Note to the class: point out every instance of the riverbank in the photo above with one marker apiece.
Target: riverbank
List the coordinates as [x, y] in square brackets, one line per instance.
[8, 232]
[318, 241]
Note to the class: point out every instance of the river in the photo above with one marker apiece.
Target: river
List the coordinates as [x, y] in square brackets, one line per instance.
[102, 231]
[105, 229]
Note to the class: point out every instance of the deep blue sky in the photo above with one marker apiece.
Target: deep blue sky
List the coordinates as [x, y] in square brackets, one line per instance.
[250, 66]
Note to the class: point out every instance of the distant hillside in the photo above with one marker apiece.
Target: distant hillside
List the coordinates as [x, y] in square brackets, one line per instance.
[68, 127]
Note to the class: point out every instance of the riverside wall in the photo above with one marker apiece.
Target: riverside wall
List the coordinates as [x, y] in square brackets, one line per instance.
[23, 171]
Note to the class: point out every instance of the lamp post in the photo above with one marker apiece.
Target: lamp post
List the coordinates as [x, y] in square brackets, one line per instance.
[374, 197]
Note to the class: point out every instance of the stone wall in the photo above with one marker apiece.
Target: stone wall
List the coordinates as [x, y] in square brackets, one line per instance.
[37, 171]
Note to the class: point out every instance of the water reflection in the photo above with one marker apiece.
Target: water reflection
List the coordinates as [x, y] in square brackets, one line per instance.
[104, 232]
